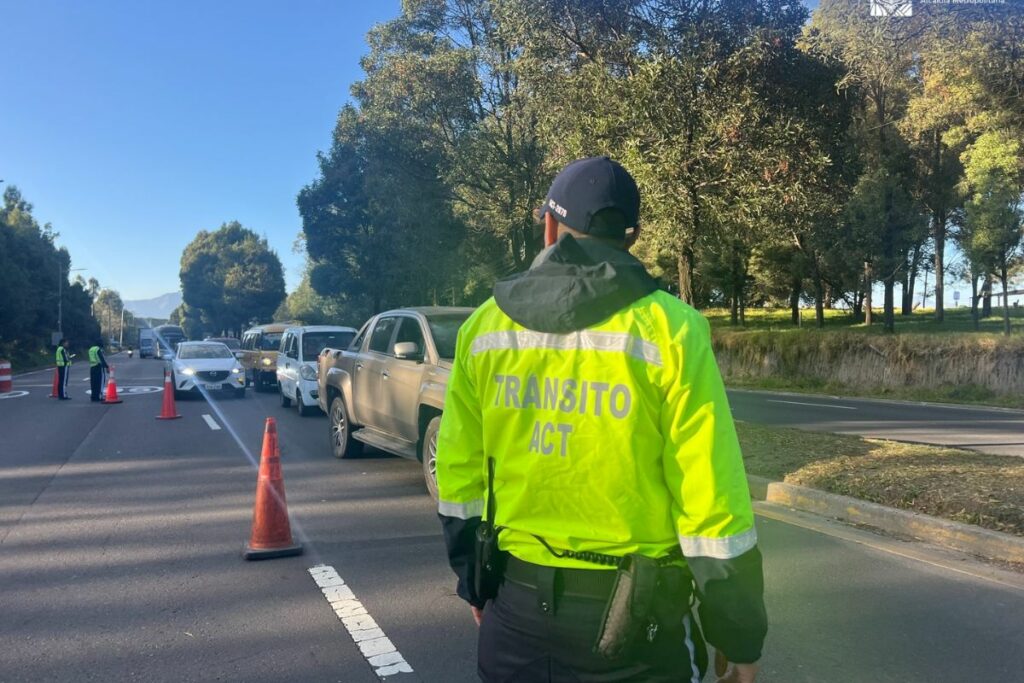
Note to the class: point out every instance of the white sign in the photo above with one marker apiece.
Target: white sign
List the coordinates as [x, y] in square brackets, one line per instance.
[956, 295]
[892, 8]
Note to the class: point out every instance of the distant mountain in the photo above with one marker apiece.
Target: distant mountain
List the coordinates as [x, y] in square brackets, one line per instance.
[159, 307]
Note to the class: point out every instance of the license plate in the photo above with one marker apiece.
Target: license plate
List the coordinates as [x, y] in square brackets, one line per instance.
[212, 387]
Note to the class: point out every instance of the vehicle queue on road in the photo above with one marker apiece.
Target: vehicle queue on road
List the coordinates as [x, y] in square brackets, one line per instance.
[382, 385]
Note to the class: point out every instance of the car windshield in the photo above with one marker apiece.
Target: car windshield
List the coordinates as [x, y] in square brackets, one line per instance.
[229, 342]
[314, 342]
[203, 351]
[445, 330]
[270, 342]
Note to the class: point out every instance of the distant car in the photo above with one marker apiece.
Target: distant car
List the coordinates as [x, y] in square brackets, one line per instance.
[259, 354]
[296, 362]
[206, 367]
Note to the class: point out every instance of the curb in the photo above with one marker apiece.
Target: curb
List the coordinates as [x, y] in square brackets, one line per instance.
[966, 538]
[871, 399]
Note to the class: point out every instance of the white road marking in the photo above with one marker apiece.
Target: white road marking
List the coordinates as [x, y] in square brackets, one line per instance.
[376, 647]
[211, 423]
[816, 405]
[13, 394]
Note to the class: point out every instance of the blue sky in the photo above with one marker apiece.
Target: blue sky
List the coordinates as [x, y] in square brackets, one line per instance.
[132, 125]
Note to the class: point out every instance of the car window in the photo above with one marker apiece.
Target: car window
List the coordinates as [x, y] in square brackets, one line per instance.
[357, 343]
[445, 330]
[381, 337]
[410, 331]
[270, 342]
[314, 342]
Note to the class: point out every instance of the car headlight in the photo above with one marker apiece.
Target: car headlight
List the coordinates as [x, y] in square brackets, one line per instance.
[266, 361]
[236, 370]
[188, 371]
[307, 372]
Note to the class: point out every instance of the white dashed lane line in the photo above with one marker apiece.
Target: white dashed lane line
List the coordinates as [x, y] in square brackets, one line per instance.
[377, 648]
[211, 423]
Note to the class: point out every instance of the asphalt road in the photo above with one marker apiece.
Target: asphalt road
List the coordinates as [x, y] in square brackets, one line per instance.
[120, 540]
[990, 430]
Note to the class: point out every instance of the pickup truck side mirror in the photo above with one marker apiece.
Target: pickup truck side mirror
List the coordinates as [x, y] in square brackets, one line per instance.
[408, 351]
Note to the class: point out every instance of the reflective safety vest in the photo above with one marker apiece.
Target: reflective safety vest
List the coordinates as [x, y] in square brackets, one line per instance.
[613, 439]
[63, 358]
[94, 355]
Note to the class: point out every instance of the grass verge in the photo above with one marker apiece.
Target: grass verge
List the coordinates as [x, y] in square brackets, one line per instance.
[965, 394]
[964, 486]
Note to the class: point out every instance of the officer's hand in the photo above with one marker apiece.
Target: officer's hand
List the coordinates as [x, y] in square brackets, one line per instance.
[734, 673]
[478, 614]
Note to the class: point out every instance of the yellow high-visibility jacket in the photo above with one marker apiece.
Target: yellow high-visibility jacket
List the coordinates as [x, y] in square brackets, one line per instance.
[613, 438]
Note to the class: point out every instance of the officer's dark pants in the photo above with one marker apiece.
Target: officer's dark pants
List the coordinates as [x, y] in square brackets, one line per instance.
[62, 381]
[542, 634]
[96, 381]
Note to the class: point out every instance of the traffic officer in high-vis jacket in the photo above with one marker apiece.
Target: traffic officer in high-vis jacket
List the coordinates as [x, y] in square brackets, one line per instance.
[97, 368]
[597, 398]
[63, 369]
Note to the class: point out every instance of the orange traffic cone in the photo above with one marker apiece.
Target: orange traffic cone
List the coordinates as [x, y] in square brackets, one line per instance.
[56, 384]
[169, 412]
[111, 396]
[271, 532]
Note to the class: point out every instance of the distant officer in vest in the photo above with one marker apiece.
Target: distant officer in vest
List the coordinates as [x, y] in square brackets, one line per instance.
[63, 369]
[618, 490]
[97, 370]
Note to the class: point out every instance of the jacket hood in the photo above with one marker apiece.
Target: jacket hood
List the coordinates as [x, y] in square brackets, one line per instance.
[572, 285]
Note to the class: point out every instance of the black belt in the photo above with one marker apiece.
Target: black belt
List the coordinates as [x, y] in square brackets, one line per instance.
[586, 583]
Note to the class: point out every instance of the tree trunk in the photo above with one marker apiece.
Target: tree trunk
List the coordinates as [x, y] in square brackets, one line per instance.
[829, 300]
[909, 281]
[974, 300]
[819, 301]
[1006, 298]
[734, 309]
[869, 284]
[685, 264]
[939, 236]
[888, 313]
[858, 304]
[986, 297]
[794, 300]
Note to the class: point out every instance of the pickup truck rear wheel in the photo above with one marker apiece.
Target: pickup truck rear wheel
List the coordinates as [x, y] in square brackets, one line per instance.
[430, 456]
[342, 443]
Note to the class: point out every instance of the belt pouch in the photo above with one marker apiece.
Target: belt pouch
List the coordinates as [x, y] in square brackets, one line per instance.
[630, 606]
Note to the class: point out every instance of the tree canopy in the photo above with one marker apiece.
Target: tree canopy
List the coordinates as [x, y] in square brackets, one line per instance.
[782, 158]
[229, 278]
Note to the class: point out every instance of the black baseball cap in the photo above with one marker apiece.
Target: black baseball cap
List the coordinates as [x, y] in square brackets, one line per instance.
[587, 186]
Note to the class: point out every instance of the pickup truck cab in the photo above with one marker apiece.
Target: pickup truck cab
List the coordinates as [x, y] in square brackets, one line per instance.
[387, 388]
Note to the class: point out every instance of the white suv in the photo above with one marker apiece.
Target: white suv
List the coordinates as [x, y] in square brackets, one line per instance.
[296, 362]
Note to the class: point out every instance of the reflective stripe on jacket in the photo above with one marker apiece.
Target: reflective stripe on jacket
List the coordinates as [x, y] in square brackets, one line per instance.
[63, 357]
[614, 439]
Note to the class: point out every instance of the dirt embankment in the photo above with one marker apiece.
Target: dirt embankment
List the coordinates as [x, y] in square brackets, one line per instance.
[967, 367]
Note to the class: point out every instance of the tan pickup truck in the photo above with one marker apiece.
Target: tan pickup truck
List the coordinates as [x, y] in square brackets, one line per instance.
[387, 388]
